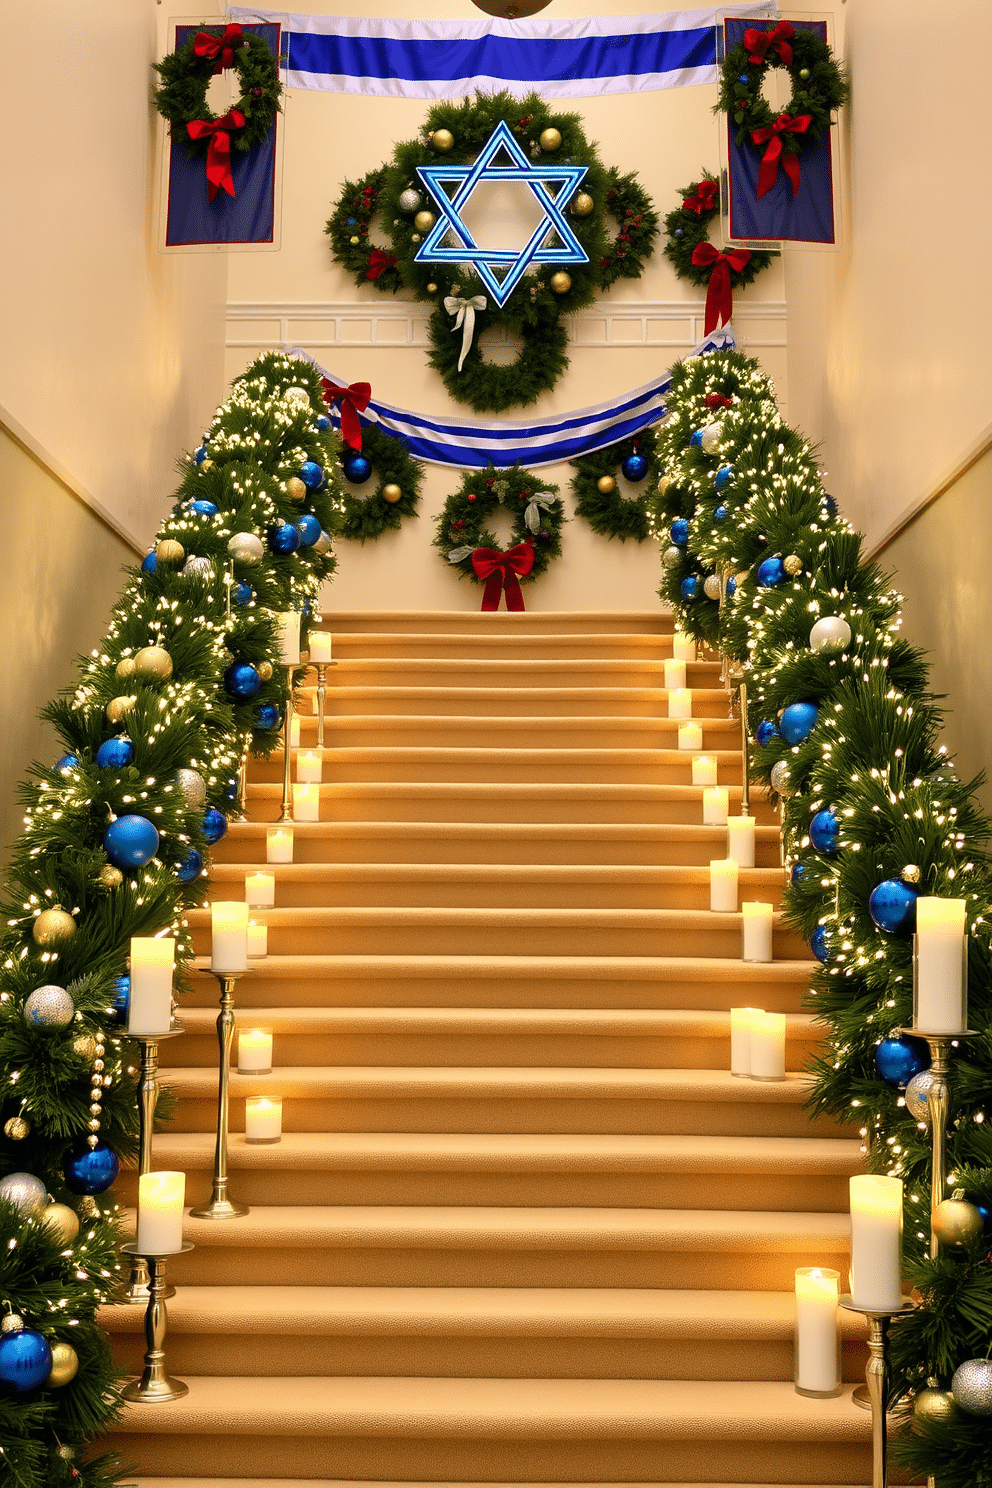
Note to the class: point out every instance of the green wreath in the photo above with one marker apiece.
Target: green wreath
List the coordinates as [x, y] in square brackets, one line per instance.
[689, 225]
[633, 210]
[537, 510]
[348, 230]
[818, 85]
[366, 518]
[598, 497]
[181, 97]
[490, 387]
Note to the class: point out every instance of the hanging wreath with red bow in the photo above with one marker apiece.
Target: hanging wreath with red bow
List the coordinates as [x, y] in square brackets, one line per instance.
[537, 514]
[181, 97]
[818, 87]
[688, 247]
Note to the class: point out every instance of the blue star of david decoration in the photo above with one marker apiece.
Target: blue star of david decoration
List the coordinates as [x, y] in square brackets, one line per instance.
[484, 260]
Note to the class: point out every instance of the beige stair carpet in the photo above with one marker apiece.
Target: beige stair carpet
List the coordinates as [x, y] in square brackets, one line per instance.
[523, 1226]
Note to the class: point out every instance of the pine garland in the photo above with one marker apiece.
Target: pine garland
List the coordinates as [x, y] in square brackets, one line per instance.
[818, 83]
[181, 96]
[246, 478]
[608, 511]
[367, 518]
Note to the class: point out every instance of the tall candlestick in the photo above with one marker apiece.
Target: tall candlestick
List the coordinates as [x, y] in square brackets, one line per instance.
[740, 1040]
[703, 770]
[263, 1119]
[941, 992]
[876, 1242]
[740, 840]
[294, 731]
[288, 637]
[254, 1052]
[306, 802]
[723, 886]
[320, 647]
[714, 805]
[229, 937]
[680, 702]
[161, 1196]
[690, 736]
[258, 940]
[768, 1046]
[683, 647]
[674, 674]
[260, 890]
[279, 845]
[817, 1333]
[153, 961]
[757, 939]
[309, 765]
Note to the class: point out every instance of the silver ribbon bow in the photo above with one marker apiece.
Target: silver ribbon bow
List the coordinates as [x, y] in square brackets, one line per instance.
[464, 313]
[532, 511]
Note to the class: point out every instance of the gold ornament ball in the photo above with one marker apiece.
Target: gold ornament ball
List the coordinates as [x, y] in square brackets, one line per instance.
[110, 877]
[205, 465]
[432, 289]
[443, 140]
[354, 242]
[153, 663]
[88, 1207]
[932, 1404]
[392, 493]
[124, 668]
[955, 1222]
[170, 552]
[65, 1362]
[63, 1220]
[911, 873]
[16, 1129]
[53, 928]
[792, 564]
[117, 707]
[561, 282]
[583, 204]
[295, 488]
[605, 485]
[664, 482]
[550, 140]
[84, 1045]
[264, 669]
[424, 221]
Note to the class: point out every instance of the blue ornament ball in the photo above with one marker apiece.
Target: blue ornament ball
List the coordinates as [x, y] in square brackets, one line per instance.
[200, 455]
[91, 1170]
[819, 943]
[696, 439]
[357, 469]
[150, 562]
[309, 529]
[242, 594]
[214, 825]
[122, 998]
[892, 905]
[719, 513]
[131, 841]
[231, 790]
[635, 467]
[115, 754]
[731, 587]
[191, 867]
[797, 873]
[798, 722]
[743, 78]
[899, 1059]
[824, 831]
[680, 232]
[283, 538]
[25, 1359]
[680, 532]
[689, 588]
[67, 762]
[312, 475]
[831, 505]
[349, 222]
[242, 681]
[267, 716]
[771, 572]
[765, 732]
[723, 477]
[323, 422]
[986, 1214]
[204, 508]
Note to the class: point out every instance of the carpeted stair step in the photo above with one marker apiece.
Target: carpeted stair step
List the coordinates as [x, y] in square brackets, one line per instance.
[494, 730]
[605, 702]
[504, 1333]
[505, 646]
[485, 670]
[198, 1482]
[389, 1427]
[653, 625]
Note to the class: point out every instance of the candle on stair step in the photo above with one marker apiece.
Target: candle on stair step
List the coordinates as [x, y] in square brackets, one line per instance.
[320, 646]
[768, 1046]
[680, 702]
[703, 770]
[228, 937]
[690, 736]
[714, 805]
[160, 1213]
[263, 1119]
[817, 1332]
[306, 802]
[279, 845]
[740, 840]
[310, 765]
[876, 1242]
[258, 939]
[254, 1052]
[683, 647]
[674, 674]
[740, 1040]
[260, 890]
[294, 731]
[757, 937]
[723, 886]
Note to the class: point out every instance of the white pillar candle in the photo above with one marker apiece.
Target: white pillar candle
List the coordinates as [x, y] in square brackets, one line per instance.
[817, 1333]
[260, 890]
[320, 646]
[152, 964]
[279, 845]
[258, 939]
[161, 1196]
[740, 840]
[876, 1242]
[263, 1119]
[703, 770]
[767, 1036]
[723, 886]
[757, 940]
[306, 802]
[294, 731]
[229, 937]
[309, 765]
[254, 1052]
[941, 984]
[690, 736]
[714, 805]
[674, 674]
[740, 1040]
[288, 637]
[683, 647]
[680, 702]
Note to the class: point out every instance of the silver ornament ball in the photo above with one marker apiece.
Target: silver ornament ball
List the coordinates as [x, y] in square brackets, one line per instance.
[711, 436]
[831, 633]
[323, 544]
[245, 547]
[972, 1386]
[200, 567]
[671, 556]
[192, 786]
[409, 200]
[711, 586]
[296, 397]
[25, 1192]
[781, 779]
[49, 1007]
[916, 1095]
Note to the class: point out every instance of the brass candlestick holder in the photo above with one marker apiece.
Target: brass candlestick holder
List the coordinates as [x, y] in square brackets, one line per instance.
[287, 751]
[939, 1109]
[155, 1385]
[321, 695]
[877, 1380]
[219, 1206]
[137, 1289]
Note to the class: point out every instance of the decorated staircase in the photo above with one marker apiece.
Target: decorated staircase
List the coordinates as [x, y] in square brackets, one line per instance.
[523, 1226]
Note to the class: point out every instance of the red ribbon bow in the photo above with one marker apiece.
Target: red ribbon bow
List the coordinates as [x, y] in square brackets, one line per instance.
[703, 199]
[353, 400]
[219, 149]
[758, 43]
[501, 569]
[379, 262]
[719, 297]
[221, 47]
[771, 135]
[718, 400]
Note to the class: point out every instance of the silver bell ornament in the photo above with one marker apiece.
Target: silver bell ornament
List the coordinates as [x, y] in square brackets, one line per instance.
[710, 438]
[409, 200]
[831, 633]
[193, 787]
[916, 1093]
[49, 1007]
[25, 1191]
[711, 586]
[972, 1386]
[781, 779]
[245, 547]
[671, 556]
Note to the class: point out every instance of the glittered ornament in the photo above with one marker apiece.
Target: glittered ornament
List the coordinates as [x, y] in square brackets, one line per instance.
[561, 282]
[65, 1363]
[932, 1404]
[192, 787]
[264, 670]
[25, 1359]
[295, 489]
[443, 140]
[824, 832]
[11, 1322]
[892, 906]
[781, 778]
[110, 877]
[246, 547]
[357, 469]
[792, 564]
[671, 557]
[49, 1007]
[169, 552]
[710, 438]
[689, 588]
[312, 475]
[323, 422]
[765, 732]
[798, 722]
[204, 508]
[392, 493]
[91, 1170]
[635, 467]
[664, 482]
[711, 586]
[550, 140]
[66, 763]
[214, 825]
[831, 633]
[131, 841]
[118, 708]
[680, 531]
[424, 221]
[84, 1047]
[899, 1059]
[124, 668]
[911, 874]
[323, 544]
[198, 568]
[819, 943]
[267, 716]
[297, 397]
[283, 537]
[25, 1191]
[606, 485]
[241, 681]
[309, 529]
[53, 928]
[409, 200]
[115, 754]
[771, 571]
[15, 1129]
[955, 1224]
[62, 1220]
[582, 204]
[917, 1092]
[191, 866]
[723, 477]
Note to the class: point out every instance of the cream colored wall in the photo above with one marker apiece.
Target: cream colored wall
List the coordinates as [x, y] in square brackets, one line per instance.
[292, 295]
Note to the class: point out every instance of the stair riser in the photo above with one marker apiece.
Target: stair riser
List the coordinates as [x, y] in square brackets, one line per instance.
[464, 731]
[518, 673]
[526, 702]
[498, 771]
[341, 804]
[483, 626]
[632, 648]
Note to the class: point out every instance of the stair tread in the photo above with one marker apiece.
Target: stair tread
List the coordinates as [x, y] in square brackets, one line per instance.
[437, 831]
[642, 1022]
[611, 874]
[569, 723]
[527, 755]
[517, 667]
[515, 789]
[632, 968]
[703, 696]
[538, 917]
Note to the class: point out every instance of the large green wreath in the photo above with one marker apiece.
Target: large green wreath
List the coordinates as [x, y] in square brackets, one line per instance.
[181, 97]
[598, 497]
[688, 225]
[534, 310]
[537, 510]
[366, 518]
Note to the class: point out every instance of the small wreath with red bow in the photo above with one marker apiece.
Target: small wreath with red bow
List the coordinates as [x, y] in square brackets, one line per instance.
[599, 498]
[181, 97]
[348, 229]
[818, 87]
[538, 514]
[688, 247]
